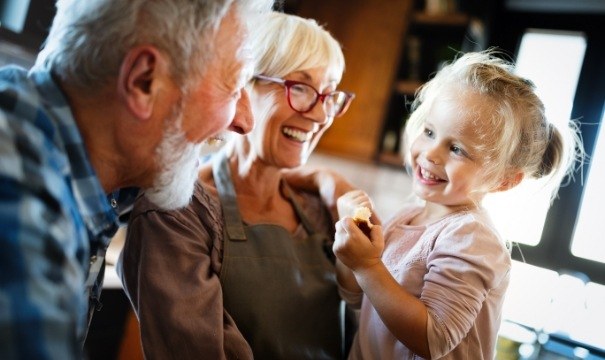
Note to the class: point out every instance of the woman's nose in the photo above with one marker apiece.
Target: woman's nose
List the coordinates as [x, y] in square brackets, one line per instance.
[318, 113]
[243, 121]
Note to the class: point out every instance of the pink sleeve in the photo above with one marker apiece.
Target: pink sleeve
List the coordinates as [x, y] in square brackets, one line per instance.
[467, 261]
[352, 299]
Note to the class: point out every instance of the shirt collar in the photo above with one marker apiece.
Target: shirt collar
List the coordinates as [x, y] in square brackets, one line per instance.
[99, 217]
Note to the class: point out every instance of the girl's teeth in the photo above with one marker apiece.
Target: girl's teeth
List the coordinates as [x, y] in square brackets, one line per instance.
[427, 175]
[297, 134]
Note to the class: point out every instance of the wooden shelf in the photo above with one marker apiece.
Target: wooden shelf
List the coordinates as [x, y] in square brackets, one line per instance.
[407, 87]
[430, 38]
[390, 158]
[372, 53]
[445, 19]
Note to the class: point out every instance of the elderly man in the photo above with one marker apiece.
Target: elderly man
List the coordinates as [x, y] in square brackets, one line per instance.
[121, 97]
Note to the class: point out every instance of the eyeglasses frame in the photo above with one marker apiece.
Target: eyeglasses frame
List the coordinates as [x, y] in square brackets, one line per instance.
[289, 83]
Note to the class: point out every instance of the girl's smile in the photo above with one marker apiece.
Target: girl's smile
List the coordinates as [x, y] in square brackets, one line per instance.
[427, 177]
[448, 169]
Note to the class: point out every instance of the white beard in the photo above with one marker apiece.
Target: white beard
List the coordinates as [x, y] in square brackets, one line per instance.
[178, 158]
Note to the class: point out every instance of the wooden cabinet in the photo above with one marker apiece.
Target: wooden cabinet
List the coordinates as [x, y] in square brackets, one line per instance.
[432, 39]
[371, 34]
[391, 47]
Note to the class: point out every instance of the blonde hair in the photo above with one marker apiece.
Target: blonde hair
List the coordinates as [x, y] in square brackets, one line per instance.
[89, 39]
[286, 43]
[516, 136]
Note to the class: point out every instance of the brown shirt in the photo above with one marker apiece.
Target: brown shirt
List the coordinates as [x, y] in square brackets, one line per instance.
[169, 268]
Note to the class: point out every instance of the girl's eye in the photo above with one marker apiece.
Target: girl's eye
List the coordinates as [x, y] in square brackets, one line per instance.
[428, 132]
[458, 150]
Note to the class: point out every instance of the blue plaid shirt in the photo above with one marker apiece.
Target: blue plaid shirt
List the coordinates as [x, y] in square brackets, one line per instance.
[55, 222]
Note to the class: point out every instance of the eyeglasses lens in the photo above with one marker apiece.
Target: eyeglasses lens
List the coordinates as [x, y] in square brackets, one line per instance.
[303, 97]
[334, 103]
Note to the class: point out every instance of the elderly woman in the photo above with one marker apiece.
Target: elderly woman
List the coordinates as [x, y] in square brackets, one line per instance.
[246, 270]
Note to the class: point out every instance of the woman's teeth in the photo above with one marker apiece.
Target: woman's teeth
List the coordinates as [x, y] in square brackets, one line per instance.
[297, 134]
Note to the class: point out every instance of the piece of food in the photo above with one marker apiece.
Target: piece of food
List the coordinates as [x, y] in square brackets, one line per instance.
[361, 216]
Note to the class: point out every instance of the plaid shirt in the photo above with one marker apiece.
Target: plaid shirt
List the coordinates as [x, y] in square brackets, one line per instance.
[55, 222]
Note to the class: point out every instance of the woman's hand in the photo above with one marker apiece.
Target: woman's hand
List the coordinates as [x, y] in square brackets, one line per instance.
[328, 183]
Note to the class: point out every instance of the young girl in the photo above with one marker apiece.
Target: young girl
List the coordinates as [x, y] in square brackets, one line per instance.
[436, 291]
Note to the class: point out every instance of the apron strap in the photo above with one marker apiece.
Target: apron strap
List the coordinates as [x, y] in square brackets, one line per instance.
[299, 211]
[228, 199]
[327, 241]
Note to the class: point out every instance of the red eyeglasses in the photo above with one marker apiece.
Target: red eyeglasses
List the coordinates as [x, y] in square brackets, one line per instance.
[303, 97]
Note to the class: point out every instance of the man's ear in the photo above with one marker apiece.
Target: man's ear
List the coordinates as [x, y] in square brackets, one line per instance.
[510, 182]
[138, 75]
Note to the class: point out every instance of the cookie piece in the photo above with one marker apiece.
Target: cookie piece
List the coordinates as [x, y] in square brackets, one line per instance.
[361, 216]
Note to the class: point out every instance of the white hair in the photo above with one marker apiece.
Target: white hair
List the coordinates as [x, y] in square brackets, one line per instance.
[286, 43]
[89, 39]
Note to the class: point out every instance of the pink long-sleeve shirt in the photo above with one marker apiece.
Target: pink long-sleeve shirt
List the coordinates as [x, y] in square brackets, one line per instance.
[460, 268]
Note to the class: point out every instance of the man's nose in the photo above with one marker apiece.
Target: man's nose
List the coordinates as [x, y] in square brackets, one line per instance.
[243, 121]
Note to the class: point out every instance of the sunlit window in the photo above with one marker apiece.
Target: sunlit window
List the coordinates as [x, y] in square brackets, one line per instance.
[552, 60]
[556, 303]
[563, 303]
[587, 243]
[13, 13]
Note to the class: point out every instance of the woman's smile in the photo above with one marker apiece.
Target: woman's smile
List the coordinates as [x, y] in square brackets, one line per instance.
[296, 134]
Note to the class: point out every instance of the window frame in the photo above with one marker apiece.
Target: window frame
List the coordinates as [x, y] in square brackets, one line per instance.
[554, 249]
[38, 20]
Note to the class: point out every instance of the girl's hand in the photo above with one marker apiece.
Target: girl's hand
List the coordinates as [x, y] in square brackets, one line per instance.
[347, 203]
[354, 249]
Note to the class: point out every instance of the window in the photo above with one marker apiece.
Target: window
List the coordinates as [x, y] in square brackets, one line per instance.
[560, 237]
[12, 14]
[557, 302]
[534, 61]
[587, 241]
[558, 275]
[23, 26]
[25, 22]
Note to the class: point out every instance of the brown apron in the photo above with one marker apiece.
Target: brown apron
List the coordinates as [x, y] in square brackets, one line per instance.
[280, 291]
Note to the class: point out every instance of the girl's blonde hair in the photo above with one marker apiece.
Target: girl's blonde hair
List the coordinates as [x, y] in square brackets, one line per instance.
[516, 136]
